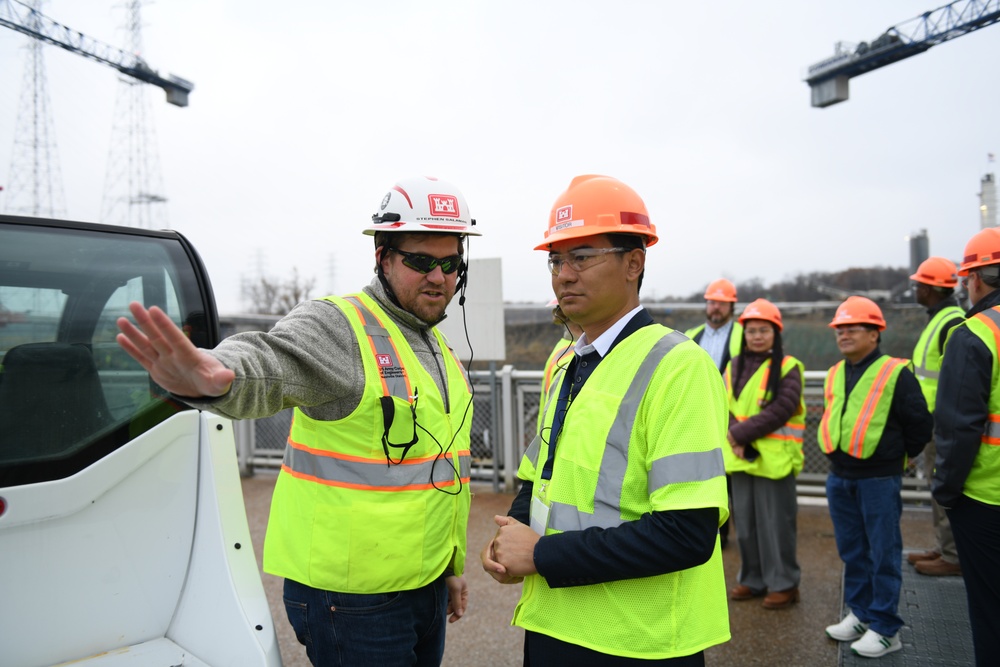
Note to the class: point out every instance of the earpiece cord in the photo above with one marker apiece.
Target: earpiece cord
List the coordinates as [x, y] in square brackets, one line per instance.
[442, 451]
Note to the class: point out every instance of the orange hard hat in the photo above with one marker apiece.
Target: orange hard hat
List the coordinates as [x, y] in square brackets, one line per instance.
[858, 310]
[720, 290]
[936, 271]
[981, 250]
[597, 205]
[762, 309]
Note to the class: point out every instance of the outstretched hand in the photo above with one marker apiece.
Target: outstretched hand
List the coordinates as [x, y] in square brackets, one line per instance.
[171, 359]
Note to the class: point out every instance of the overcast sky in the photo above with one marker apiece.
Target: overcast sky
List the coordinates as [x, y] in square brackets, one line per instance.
[304, 114]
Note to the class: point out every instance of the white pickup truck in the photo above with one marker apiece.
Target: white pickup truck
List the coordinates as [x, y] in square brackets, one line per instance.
[123, 534]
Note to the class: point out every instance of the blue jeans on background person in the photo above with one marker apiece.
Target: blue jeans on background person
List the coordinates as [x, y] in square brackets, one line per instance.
[866, 514]
[348, 629]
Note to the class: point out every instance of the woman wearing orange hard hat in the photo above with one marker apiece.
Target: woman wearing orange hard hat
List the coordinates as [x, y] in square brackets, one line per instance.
[766, 425]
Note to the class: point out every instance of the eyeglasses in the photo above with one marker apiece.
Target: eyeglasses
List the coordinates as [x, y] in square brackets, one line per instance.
[581, 259]
[763, 331]
[849, 331]
[425, 263]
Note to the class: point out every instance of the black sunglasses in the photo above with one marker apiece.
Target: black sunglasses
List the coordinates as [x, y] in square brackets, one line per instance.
[425, 263]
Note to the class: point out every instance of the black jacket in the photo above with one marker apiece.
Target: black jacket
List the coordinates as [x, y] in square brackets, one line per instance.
[962, 408]
[907, 431]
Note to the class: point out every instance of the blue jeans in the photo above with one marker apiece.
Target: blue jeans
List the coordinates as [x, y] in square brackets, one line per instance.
[866, 514]
[348, 629]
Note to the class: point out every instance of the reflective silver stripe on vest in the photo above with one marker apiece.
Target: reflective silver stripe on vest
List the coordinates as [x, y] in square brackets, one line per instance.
[992, 314]
[532, 451]
[343, 472]
[686, 467]
[789, 432]
[920, 369]
[992, 430]
[395, 382]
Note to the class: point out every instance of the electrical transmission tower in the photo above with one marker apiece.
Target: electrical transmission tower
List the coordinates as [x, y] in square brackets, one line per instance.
[133, 184]
[35, 183]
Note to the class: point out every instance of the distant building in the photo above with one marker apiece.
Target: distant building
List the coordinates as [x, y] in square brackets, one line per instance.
[920, 248]
[988, 201]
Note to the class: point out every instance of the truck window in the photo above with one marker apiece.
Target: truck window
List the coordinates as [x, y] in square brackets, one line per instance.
[68, 394]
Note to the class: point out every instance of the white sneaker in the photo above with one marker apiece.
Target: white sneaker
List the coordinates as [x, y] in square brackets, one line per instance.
[847, 630]
[874, 645]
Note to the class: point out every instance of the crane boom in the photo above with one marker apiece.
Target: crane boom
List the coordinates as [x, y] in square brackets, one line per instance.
[828, 79]
[18, 16]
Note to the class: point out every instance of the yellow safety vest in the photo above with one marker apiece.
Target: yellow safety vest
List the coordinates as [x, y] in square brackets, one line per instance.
[643, 435]
[780, 451]
[983, 482]
[560, 356]
[927, 355]
[345, 519]
[857, 428]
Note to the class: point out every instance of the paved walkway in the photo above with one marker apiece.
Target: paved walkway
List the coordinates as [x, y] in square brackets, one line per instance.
[791, 637]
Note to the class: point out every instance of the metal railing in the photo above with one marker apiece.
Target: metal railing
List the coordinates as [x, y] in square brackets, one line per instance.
[497, 444]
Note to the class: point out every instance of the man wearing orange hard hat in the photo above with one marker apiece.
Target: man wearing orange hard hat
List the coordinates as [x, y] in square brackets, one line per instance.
[614, 530]
[935, 281]
[967, 432]
[874, 417]
[720, 335]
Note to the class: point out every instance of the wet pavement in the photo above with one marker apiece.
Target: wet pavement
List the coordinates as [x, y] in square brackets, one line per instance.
[484, 638]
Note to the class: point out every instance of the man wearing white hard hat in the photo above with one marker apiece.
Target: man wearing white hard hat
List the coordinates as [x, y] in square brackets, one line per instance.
[368, 519]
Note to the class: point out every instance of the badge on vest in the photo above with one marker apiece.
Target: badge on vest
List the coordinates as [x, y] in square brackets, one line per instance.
[539, 515]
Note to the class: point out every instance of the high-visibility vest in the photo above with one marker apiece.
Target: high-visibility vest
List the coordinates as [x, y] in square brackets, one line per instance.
[780, 451]
[983, 482]
[857, 428]
[343, 517]
[735, 337]
[560, 356]
[927, 354]
[643, 435]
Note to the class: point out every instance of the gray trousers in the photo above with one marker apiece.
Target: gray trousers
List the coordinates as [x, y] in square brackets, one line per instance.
[765, 512]
[945, 543]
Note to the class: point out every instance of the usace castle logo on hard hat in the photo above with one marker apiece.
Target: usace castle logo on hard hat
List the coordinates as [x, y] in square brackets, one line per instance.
[445, 206]
[564, 213]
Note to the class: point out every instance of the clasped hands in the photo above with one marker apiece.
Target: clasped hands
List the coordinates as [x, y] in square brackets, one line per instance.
[509, 556]
[738, 449]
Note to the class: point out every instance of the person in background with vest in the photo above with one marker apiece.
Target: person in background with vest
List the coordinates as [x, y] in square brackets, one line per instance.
[935, 282]
[767, 417]
[720, 336]
[967, 432]
[874, 418]
[369, 513]
[615, 528]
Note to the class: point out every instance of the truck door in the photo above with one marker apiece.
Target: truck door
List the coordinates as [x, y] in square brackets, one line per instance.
[122, 526]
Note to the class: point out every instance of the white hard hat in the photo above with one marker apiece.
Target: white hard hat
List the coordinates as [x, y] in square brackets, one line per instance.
[426, 205]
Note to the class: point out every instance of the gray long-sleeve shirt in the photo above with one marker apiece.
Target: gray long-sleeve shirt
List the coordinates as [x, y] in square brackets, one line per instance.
[311, 359]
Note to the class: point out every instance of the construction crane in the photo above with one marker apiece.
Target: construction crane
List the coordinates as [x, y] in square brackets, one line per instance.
[18, 16]
[828, 79]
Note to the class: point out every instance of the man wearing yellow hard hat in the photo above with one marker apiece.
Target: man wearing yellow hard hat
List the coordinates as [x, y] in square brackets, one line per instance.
[615, 529]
